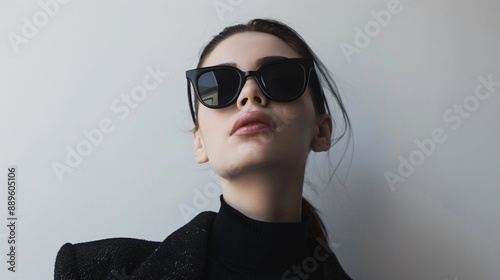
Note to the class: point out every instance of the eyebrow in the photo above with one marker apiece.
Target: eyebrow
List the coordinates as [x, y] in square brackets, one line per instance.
[259, 61]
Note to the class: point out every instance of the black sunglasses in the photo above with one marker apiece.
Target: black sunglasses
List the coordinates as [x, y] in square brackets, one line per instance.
[281, 80]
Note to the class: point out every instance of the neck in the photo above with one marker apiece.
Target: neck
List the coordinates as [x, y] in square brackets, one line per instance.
[266, 197]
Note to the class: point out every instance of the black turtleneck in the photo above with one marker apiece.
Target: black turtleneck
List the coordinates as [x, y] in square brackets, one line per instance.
[243, 248]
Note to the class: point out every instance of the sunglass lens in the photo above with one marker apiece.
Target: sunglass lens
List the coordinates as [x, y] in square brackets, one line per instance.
[284, 81]
[218, 87]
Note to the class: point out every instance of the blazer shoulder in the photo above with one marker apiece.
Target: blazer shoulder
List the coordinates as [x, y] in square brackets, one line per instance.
[182, 253]
[101, 259]
[115, 257]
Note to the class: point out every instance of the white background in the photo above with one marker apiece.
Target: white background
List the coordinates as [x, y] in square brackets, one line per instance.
[440, 223]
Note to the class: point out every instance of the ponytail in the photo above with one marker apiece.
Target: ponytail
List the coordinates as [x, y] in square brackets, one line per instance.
[317, 226]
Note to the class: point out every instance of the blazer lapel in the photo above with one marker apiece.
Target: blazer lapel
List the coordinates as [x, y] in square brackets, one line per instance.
[182, 254]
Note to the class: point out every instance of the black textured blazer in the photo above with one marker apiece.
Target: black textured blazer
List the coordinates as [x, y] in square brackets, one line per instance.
[180, 256]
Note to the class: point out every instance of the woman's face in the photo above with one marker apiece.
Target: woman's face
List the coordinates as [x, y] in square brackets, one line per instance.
[255, 133]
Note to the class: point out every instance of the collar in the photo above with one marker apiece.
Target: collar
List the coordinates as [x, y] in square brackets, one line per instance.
[240, 242]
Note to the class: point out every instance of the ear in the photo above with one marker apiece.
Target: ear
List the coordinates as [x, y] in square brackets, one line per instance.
[322, 140]
[199, 147]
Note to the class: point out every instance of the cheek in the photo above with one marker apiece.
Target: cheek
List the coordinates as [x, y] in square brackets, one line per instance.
[205, 124]
[218, 119]
[298, 122]
[307, 120]
[211, 123]
[306, 112]
[207, 118]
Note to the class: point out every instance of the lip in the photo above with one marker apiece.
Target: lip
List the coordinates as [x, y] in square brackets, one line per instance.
[251, 123]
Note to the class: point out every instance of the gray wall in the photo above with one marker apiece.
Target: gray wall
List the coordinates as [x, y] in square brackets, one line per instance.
[419, 200]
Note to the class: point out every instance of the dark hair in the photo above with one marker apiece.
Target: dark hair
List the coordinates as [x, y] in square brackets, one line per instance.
[295, 41]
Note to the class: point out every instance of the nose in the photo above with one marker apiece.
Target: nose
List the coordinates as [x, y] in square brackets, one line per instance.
[251, 93]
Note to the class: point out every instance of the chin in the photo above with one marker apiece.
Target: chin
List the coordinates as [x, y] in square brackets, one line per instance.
[260, 164]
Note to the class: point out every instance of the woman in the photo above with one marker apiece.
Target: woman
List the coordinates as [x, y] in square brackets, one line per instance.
[258, 109]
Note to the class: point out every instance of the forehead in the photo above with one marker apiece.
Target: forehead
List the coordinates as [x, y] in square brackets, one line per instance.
[244, 49]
